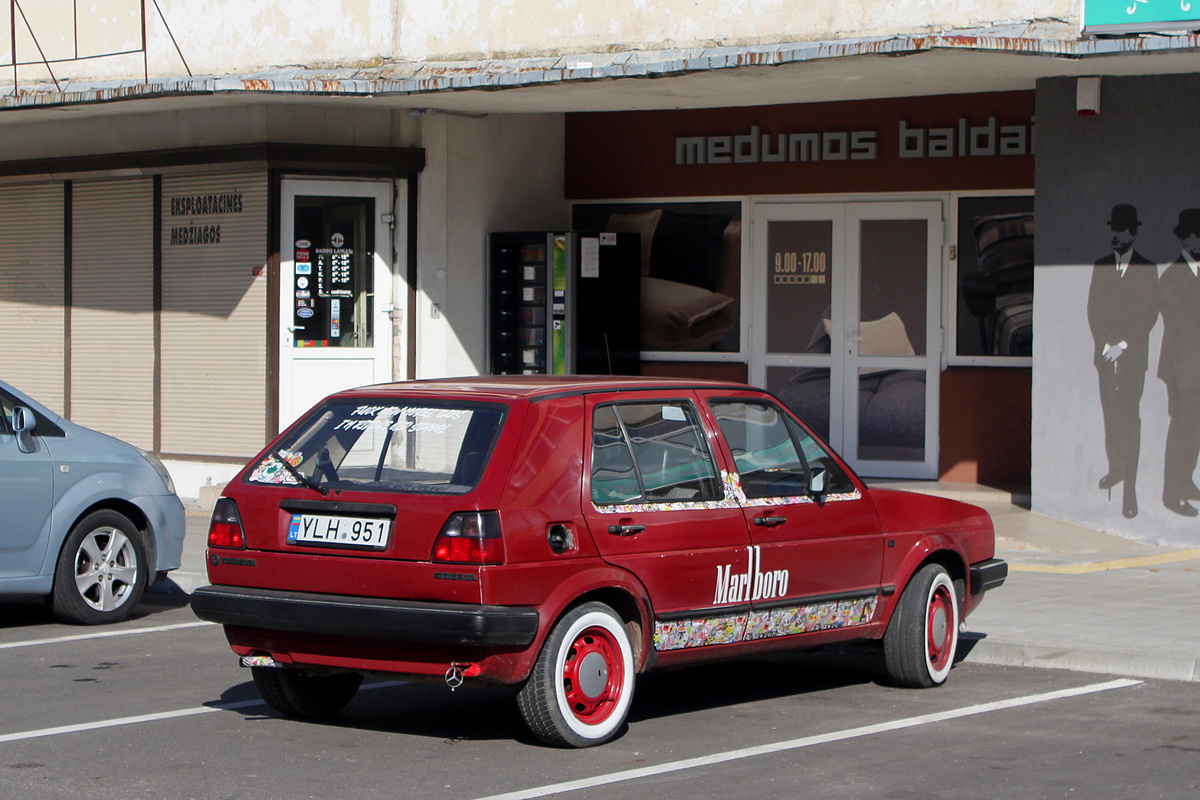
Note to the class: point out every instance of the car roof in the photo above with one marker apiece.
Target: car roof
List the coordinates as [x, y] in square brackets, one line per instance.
[532, 387]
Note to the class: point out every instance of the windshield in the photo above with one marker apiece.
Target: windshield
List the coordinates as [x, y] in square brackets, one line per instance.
[386, 446]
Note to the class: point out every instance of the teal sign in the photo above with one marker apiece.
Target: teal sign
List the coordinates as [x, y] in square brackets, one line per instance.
[1134, 16]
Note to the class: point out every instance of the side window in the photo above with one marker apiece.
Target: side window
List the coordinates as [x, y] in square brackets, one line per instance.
[651, 453]
[820, 461]
[763, 449]
[6, 407]
[614, 479]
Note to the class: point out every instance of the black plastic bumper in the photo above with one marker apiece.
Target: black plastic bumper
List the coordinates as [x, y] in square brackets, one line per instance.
[367, 618]
[987, 575]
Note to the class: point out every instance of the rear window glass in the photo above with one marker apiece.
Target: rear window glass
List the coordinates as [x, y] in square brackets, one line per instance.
[394, 446]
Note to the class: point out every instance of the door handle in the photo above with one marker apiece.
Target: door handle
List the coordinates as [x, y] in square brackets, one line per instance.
[625, 530]
[769, 522]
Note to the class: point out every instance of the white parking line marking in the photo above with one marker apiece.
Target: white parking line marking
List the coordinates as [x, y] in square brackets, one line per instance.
[181, 712]
[79, 637]
[808, 741]
[112, 723]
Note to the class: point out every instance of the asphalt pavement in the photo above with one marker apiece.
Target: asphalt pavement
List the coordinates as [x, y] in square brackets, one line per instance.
[1076, 598]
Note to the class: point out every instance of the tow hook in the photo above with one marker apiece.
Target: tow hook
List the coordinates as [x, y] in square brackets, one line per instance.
[460, 672]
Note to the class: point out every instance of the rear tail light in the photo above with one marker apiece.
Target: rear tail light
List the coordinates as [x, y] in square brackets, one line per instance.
[225, 530]
[470, 537]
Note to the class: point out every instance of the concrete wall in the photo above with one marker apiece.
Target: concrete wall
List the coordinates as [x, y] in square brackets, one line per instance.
[214, 36]
[217, 37]
[1140, 150]
[482, 174]
[473, 28]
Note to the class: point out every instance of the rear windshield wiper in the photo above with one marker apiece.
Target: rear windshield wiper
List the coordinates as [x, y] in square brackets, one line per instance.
[295, 473]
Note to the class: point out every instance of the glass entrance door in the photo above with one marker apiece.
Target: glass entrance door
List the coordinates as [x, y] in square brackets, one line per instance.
[847, 327]
[336, 290]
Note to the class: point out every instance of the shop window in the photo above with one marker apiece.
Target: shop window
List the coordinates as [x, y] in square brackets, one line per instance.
[994, 286]
[690, 266]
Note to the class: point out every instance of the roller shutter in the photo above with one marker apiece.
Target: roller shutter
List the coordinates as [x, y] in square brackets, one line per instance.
[214, 306]
[32, 319]
[112, 314]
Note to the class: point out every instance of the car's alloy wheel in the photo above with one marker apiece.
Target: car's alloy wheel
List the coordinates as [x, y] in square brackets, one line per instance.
[581, 686]
[300, 693]
[922, 637]
[101, 572]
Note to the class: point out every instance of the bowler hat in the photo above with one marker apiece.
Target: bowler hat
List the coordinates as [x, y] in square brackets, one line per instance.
[1189, 223]
[1124, 218]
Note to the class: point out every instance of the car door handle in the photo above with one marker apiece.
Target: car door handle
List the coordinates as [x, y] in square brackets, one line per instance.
[769, 522]
[625, 530]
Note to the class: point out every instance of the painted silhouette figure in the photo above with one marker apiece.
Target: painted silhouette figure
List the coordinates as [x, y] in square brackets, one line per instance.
[1121, 310]
[1179, 366]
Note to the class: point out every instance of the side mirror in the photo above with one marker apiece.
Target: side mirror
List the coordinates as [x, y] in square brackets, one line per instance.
[816, 486]
[23, 423]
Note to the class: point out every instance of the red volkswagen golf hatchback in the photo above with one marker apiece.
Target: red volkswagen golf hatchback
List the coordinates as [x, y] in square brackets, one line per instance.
[566, 534]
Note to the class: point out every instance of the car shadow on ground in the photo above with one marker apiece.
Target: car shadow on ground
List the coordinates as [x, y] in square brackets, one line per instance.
[473, 713]
[427, 710]
[749, 680]
[28, 612]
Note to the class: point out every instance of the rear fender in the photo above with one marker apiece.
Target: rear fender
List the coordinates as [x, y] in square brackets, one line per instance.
[609, 585]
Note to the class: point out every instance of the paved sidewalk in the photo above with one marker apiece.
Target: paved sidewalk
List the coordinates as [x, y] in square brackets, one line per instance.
[1081, 599]
[1075, 598]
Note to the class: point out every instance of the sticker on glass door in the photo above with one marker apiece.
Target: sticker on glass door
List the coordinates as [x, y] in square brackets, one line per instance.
[333, 276]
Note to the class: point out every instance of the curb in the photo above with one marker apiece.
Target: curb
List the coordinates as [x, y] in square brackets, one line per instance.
[1130, 663]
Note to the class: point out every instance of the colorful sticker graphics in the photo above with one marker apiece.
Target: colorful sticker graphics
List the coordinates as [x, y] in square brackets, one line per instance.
[765, 624]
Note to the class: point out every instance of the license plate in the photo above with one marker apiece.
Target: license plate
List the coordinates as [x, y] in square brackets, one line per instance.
[329, 531]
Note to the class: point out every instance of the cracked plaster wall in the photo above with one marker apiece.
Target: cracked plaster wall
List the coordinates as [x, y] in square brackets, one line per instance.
[480, 28]
[223, 37]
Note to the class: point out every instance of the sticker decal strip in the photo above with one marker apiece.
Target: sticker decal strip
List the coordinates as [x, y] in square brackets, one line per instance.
[683, 633]
[730, 629]
[734, 498]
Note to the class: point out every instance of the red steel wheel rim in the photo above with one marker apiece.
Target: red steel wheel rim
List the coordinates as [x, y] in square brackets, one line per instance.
[939, 627]
[593, 675]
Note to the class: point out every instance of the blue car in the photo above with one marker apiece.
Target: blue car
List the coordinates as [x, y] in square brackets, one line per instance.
[86, 521]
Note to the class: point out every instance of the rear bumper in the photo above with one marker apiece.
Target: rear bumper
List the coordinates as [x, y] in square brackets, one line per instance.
[459, 624]
[987, 575]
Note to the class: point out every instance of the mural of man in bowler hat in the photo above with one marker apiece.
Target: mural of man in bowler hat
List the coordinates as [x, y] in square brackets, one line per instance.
[1121, 310]
[1179, 366]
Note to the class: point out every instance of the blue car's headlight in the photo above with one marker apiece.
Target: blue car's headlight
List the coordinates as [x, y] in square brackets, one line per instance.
[159, 468]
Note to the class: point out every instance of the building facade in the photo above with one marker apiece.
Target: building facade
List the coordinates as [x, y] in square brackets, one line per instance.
[214, 213]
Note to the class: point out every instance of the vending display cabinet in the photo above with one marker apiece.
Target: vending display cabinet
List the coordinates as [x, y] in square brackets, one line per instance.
[563, 303]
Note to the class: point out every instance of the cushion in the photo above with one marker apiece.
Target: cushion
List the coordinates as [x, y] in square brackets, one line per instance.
[882, 337]
[677, 316]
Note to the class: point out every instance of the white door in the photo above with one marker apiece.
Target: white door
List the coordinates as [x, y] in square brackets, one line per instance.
[847, 326]
[336, 289]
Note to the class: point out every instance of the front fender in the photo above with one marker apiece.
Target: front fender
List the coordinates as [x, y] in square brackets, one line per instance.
[921, 549]
[161, 515]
